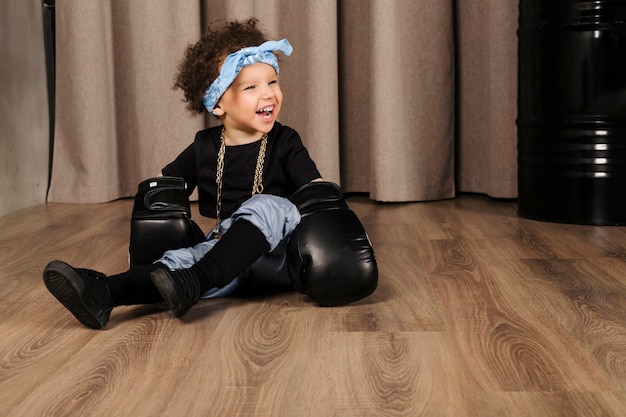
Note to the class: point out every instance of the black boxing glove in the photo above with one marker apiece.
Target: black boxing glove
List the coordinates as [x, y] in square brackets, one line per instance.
[161, 220]
[330, 256]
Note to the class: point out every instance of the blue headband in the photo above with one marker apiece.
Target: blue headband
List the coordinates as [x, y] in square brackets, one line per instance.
[242, 58]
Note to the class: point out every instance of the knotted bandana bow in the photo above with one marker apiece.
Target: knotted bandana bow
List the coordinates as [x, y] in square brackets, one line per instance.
[242, 58]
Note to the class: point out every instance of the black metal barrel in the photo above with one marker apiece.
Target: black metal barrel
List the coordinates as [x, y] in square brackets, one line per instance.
[572, 111]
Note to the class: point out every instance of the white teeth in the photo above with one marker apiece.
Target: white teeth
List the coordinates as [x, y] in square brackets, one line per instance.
[266, 109]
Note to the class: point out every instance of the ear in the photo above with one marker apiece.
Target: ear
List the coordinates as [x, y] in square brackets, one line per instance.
[217, 110]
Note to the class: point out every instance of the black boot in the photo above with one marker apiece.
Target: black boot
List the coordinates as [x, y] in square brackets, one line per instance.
[82, 291]
[180, 289]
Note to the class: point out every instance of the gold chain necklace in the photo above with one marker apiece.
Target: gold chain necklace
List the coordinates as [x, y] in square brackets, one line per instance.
[257, 186]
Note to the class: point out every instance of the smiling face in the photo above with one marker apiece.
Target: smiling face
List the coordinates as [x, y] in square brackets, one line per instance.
[250, 106]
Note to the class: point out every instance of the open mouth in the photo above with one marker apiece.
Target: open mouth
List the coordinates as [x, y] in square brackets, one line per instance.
[266, 112]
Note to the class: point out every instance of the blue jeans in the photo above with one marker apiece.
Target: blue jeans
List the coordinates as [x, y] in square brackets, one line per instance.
[276, 217]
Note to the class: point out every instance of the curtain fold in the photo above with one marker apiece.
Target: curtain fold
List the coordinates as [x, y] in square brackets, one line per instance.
[407, 100]
[487, 97]
[412, 101]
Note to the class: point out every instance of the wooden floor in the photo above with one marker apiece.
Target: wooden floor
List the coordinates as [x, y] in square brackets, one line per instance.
[478, 313]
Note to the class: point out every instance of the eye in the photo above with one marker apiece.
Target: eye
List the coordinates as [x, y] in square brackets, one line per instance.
[250, 87]
[273, 82]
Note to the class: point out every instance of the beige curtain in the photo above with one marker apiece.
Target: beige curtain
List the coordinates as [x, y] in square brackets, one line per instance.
[408, 100]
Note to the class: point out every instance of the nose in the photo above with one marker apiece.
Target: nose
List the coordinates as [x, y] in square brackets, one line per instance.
[268, 92]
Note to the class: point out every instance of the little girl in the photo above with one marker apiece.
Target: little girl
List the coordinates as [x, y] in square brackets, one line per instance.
[244, 170]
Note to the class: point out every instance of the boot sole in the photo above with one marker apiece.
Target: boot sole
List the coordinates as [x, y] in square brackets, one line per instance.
[165, 285]
[67, 287]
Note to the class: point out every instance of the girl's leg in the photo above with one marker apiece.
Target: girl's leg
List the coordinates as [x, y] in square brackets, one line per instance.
[134, 286]
[232, 254]
[256, 228]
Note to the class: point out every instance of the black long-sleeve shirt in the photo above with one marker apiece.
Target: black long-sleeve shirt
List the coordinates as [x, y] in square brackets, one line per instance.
[287, 167]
